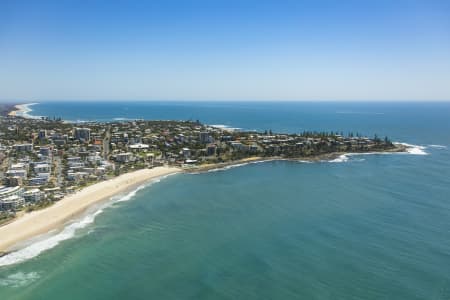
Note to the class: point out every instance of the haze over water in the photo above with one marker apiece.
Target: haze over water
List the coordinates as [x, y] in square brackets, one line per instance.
[362, 227]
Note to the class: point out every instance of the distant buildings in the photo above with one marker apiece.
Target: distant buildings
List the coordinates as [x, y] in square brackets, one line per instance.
[82, 134]
[17, 173]
[42, 134]
[139, 147]
[211, 150]
[124, 157]
[205, 137]
[42, 168]
[40, 179]
[23, 147]
[45, 151]
[13, 181]
[186, 152]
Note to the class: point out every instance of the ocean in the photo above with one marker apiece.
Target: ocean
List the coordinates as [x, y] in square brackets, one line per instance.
[359, 227]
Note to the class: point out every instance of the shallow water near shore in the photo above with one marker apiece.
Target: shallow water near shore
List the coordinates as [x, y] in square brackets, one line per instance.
[362, 227]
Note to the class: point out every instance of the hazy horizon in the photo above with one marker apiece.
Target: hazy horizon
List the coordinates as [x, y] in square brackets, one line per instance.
[37, 101]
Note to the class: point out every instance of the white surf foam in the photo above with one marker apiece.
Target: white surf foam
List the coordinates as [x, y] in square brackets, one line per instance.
[236, 166]
[414, 149]
[417, 151]
[130, 195]
[47, 242]
[225, 127]
[411, 149]
[340, 159]
[227, 167]
[359, 113]
[19, 279]
[52, 239]
[437, 146]
[26, 110]
[133, 193]
[123, 119]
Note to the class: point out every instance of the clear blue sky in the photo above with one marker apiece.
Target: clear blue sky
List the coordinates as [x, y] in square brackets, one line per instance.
[225, 50]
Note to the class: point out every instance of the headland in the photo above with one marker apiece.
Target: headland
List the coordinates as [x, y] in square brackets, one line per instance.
[54, 170]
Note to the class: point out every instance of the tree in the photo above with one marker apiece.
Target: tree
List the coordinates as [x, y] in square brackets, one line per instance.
[387, 141]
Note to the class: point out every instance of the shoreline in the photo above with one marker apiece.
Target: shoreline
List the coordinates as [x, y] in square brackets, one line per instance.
[21, 110]
[326, 157]
[37, 223]
[14, 234]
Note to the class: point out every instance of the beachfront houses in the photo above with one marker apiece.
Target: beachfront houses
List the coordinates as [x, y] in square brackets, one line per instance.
[11, 198]
[33, 195]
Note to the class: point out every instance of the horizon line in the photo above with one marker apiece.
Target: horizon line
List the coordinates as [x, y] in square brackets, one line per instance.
[22, 101]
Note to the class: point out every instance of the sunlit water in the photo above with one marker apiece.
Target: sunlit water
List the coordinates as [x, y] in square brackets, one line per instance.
[360, 227]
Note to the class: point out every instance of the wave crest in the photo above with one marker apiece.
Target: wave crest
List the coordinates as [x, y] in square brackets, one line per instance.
[415, 149]
[224, 168]
[340, 159]
[50, 240]
[19, 279]
[437, 146]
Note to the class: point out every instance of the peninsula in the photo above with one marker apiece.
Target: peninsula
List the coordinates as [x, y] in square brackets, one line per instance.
[51, 170]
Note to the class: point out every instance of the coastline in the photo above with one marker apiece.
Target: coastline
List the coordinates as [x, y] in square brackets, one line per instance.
[31, 225]
[7, 108]
[326, 157]
[21, 110]
[14, 234]
[40, 222]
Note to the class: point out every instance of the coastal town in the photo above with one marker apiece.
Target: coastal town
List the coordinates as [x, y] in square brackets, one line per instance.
[42, 160]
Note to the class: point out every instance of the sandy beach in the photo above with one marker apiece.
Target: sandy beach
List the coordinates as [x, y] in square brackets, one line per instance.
[13, 113]
[17, 108]
[40, 222]
[21, 110]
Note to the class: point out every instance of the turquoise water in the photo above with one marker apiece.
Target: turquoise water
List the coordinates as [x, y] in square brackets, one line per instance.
[369, 227]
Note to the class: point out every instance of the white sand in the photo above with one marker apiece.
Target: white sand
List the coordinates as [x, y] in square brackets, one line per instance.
[42, 221]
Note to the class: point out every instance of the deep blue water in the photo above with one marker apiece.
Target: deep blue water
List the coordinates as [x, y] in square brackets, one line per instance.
[371, 227]
[416, 121]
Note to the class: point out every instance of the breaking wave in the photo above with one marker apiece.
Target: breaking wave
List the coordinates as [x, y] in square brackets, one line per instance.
[224, 168]
[340, 159]
[48, 242]
[225, 127]
[52, 239]
[19, 279]
[437, 146]
[411, 149]
[133, 193]
[25, 111]
[415, 149]
[123, 119]
[359, 113]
